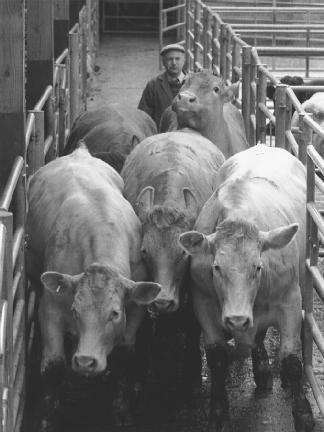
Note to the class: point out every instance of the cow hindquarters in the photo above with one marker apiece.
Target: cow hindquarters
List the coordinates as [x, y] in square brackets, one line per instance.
[291, 372]
[218, 365]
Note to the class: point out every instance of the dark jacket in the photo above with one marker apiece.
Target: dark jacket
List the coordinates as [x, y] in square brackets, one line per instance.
[156, 97]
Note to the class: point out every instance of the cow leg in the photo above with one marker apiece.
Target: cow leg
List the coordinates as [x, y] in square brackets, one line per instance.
[52, 374]
[217, 361]
[123, 370]
[291, 371]
[52, 367]
[261, 366]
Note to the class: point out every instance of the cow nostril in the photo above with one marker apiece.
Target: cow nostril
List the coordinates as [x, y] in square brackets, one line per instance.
[85, 363]
[237, 323]
[192, 99]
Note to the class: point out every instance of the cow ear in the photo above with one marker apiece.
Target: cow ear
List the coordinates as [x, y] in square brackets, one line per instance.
[190, 201]
[278, 237]
[59, 283]
[144, 202]
[193, 242]
[144, 293]
[232, 91]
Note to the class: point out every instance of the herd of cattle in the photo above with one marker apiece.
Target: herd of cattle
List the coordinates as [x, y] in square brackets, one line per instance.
[189, 227]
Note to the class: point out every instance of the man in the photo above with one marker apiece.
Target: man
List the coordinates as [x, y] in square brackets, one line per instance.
[160, 91]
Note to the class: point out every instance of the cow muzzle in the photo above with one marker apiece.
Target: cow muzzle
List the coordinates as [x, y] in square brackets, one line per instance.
[87, 365]
[235, 323]
[162, 306]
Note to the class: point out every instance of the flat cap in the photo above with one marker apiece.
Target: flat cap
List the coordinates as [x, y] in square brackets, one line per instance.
[172, 47]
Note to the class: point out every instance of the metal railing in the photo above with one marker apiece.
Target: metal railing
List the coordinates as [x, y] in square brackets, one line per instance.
[47, 126]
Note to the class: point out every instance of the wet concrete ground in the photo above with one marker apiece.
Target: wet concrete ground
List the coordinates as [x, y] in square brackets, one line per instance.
[126, 64]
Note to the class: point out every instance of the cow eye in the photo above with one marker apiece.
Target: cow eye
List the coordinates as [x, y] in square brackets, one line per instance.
[216, 268]
[216, 89]
[258, 268]
[143, 251]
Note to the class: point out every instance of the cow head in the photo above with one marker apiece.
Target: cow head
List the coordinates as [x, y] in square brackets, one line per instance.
[201, 100]
[100, 295]
[166, 261]
[234, 257]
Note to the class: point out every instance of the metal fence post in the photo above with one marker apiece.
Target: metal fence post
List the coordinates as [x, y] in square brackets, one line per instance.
[280, 113]
[261, 98]
[223, 44]
[196, 33]
[35, 153]
[305, 138]
[74, 76]
[246, 88]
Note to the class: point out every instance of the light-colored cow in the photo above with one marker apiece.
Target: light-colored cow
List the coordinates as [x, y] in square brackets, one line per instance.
[168, 177]
[84, 245]
[203, 104]
[247, 263]
[315, 106]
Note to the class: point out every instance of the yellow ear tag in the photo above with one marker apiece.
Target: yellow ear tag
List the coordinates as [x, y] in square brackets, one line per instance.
[58, 288]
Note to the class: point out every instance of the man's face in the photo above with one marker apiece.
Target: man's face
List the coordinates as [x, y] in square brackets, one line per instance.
[173, 61]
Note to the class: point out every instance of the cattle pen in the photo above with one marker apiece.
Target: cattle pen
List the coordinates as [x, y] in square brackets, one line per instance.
[47, 57]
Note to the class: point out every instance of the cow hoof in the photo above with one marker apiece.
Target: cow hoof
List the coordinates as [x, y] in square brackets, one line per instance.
[303, 416]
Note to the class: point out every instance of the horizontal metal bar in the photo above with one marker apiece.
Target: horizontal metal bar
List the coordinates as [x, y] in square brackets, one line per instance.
[173, 26]
[292, 141]
[173, 8]
[11, 184]
[47, 144]
[239, 9]
[17, 240]
[294, 51]
[277, 32]
[317, 279]
[317, 218]
[267, 112]
[62, 56]
[316, 158]
[74, 29]
[315, 387]
[43, 99]
[240, 26]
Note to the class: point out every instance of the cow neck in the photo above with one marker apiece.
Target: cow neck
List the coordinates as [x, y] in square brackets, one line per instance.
[217, 132]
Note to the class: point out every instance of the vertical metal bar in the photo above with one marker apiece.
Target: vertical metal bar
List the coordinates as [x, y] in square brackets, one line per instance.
[261, 98]
[236, 57]
[196, 33]
[305, 138]
[246, 88]
[83, 57]
[280, 108]
[215, 52]
[50, 128]
[187, 34]
[205, 36]
[228, 64]
[36, 147]
[223, 45]
[7, 386]
[160, 31]
[74, 76]
[307, 57]
[311, 245]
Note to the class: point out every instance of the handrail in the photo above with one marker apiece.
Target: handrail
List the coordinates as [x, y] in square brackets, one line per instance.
[9, 189]
[43, 99]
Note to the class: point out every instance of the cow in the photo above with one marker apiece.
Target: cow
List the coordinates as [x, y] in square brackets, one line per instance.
[111, 132]
[84, 246]
[204, 105]
[168, 177]
[247, 264]
[315, 106]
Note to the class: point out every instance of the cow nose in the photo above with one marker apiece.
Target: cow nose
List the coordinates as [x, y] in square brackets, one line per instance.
[85, 363]
[164, 306]
[237, 322]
